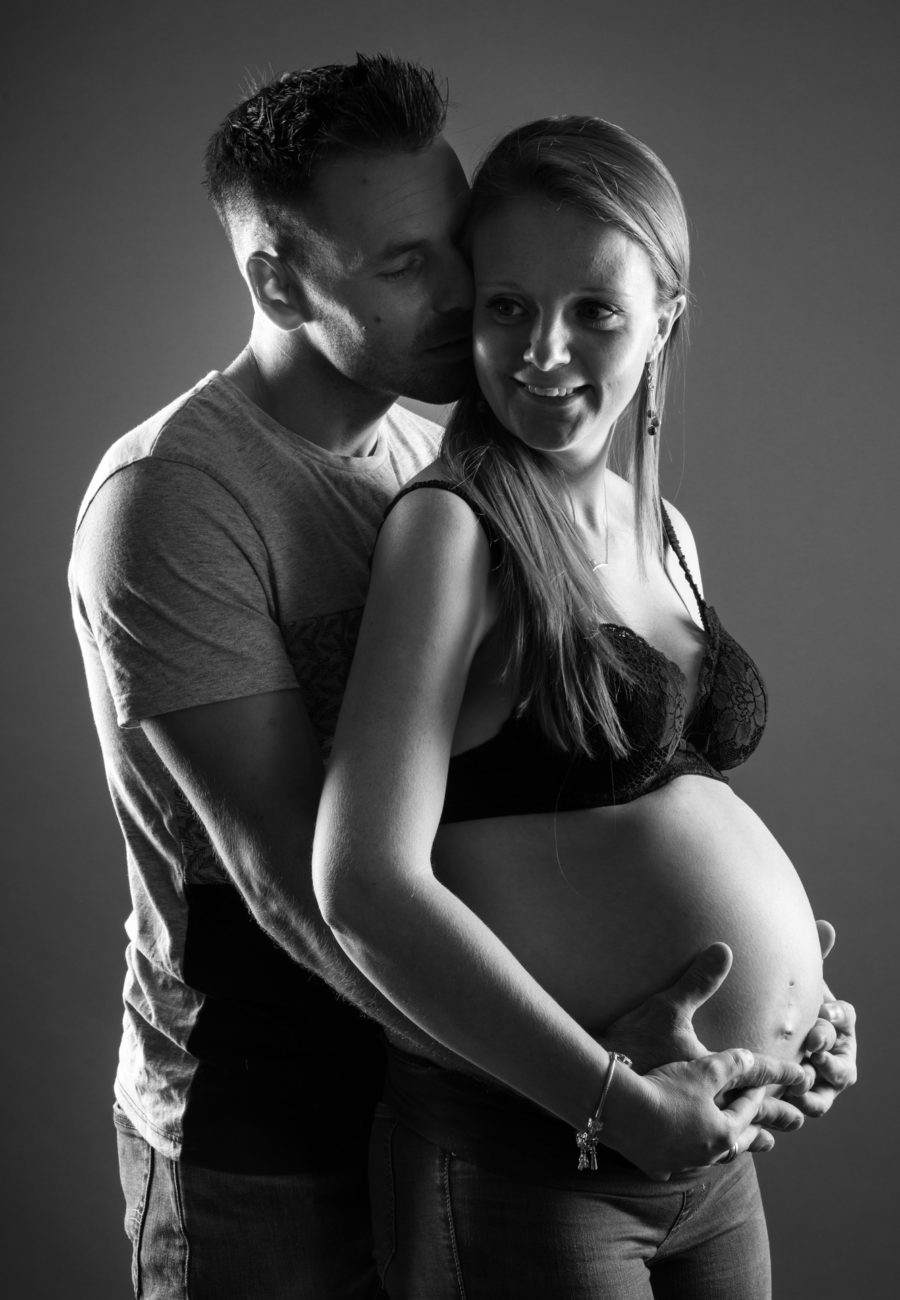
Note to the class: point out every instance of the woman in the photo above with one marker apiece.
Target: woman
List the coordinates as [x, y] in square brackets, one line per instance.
[525, 830]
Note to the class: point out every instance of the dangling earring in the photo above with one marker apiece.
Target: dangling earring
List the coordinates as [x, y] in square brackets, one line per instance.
[652, 416]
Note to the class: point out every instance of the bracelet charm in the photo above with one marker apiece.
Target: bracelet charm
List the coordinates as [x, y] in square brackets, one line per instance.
[586, 1140]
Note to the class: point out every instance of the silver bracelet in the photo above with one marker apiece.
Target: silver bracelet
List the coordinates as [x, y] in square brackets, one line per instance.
[587, 1139]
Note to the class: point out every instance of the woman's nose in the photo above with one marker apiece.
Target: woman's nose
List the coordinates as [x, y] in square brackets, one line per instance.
[548, 346]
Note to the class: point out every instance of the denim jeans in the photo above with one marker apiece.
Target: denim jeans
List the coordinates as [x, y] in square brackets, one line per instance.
[204, 1234]
[445, 1227]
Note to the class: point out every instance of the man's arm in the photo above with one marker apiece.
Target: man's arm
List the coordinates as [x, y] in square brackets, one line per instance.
[251, 768]
[171, 577]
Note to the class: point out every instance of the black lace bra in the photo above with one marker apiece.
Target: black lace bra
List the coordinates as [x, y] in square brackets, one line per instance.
[519, 771]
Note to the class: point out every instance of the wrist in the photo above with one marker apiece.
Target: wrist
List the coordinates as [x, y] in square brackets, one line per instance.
[588, 1138]
[630, 1103]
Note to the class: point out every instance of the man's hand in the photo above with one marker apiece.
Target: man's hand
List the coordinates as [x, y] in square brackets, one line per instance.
[830, 1046]
[661, 1030]
[702, 1112]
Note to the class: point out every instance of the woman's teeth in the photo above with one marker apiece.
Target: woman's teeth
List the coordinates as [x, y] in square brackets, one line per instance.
[549, 392]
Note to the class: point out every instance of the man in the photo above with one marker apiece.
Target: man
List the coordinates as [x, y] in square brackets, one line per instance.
[218, 573]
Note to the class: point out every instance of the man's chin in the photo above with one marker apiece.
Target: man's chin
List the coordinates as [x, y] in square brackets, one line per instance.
[438, 387]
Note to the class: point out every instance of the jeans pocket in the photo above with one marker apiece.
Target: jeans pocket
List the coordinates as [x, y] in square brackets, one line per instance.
[381, 1188]
[135, 1174]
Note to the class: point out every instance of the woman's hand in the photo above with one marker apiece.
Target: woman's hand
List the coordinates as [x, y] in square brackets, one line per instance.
[689, 1114]
[830, 1046]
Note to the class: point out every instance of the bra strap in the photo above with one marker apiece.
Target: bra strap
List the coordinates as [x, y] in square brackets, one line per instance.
[459, 491]
[672, 539]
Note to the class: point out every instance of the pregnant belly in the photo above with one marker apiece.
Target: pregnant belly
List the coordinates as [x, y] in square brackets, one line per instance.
[607, 906]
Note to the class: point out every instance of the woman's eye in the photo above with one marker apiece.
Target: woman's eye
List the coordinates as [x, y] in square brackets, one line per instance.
[597, 313]
[505, 308]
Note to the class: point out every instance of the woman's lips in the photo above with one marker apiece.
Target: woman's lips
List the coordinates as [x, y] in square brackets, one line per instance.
[556, 393]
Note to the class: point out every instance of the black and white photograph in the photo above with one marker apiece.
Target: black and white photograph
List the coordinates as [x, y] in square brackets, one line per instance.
[452, 614]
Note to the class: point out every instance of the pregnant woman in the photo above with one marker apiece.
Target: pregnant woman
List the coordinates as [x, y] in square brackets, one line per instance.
[525, 829]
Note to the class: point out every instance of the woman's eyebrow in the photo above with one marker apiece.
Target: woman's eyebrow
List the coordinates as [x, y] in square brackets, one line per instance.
[598, 290]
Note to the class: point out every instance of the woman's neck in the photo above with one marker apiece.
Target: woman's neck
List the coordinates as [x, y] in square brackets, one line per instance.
[587, 489]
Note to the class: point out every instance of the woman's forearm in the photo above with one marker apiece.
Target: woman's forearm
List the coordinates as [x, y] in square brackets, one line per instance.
[445, 969]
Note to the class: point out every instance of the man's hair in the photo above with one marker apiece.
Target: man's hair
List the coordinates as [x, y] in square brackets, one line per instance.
[267, 152]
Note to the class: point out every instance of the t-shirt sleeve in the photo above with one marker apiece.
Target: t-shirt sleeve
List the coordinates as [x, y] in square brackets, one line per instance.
[172, 581]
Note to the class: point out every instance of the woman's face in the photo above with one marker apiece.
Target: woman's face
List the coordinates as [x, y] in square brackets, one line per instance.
[566, 315]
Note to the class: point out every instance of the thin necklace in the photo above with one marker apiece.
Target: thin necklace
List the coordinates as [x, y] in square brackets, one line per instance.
[602, 564]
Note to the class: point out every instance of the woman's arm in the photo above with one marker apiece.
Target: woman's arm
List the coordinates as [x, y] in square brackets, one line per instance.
[429, 609]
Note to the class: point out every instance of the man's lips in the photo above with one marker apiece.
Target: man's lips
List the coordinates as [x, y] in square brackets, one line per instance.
[459, 346]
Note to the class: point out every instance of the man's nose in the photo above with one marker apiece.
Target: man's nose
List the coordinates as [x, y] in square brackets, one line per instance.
[548, 344]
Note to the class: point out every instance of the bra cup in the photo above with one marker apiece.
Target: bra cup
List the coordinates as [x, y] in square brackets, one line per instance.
[519, 771]
[652, 706]
[733, 713]
[651, 709]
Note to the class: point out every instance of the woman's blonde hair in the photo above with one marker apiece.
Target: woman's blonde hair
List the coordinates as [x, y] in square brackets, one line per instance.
[559, 652]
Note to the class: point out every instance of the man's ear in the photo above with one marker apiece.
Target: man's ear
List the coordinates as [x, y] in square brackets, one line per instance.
[275, 290]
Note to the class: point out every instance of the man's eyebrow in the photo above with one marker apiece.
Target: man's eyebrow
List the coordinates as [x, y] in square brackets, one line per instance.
[395, 249]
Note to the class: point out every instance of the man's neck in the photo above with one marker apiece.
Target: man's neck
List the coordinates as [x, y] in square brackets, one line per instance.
[301, 391]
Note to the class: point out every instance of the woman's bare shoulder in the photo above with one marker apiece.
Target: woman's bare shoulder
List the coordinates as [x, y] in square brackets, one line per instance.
[432, 515]
[679, 523]
[447, 506]
[685, 539]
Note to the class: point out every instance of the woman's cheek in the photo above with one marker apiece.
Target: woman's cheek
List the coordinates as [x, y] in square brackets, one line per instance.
[486, 364]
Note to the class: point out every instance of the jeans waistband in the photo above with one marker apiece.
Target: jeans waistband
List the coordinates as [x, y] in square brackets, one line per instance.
[486, 1124]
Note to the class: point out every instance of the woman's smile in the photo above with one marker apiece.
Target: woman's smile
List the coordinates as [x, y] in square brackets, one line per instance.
[566, 316]
[554, 394]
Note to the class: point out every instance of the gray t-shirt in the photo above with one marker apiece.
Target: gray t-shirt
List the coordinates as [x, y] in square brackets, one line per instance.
[218, 555]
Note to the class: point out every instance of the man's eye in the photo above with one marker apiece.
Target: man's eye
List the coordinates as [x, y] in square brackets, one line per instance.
[401, 272]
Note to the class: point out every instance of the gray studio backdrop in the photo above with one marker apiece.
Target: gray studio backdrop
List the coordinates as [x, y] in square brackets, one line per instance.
[781, 449]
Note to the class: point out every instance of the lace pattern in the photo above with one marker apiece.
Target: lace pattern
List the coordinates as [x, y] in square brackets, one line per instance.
[519, 771]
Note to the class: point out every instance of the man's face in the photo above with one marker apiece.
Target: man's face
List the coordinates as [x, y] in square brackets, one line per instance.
[388, 293]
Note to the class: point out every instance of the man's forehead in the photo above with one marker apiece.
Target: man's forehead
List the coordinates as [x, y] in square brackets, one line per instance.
[368, 202]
